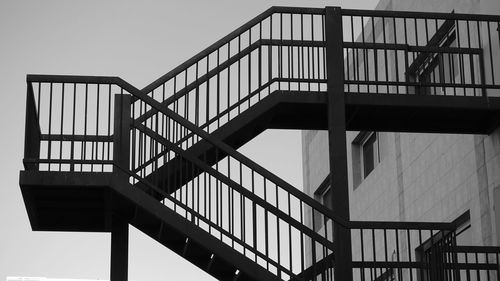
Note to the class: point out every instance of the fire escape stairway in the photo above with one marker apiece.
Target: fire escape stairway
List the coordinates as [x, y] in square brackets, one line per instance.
[172, 156]
[256, 195]
[232, 218]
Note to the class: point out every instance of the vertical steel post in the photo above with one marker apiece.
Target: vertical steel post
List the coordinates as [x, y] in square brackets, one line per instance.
[121, 155]
[337, 140]
[119, 249]
[32, 131]
[121, 134]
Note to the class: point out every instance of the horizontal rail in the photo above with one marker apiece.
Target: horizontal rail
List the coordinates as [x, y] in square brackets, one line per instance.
[229, 37]
[418, 15]
[387, 264]
[85, 138]
[226, 64]
[69, 161]
[402, 225]
[410, 48]
[475, 249]
[247, 193]
[202, 218]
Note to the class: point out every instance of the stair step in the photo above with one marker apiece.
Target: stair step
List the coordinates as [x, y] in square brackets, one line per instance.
[171, 238]
[196, 253]
[221, 269]
[148, 222]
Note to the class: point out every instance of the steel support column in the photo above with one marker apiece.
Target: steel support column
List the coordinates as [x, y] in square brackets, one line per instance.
[121, 154]
[337, 141]
[121, 135]
[119, 249]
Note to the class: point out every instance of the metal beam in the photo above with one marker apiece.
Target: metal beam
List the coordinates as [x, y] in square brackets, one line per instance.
[119, 249]
[121, 132]
[337, 141]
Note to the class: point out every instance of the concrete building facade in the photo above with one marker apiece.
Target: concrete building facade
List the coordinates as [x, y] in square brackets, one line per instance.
[418, 177]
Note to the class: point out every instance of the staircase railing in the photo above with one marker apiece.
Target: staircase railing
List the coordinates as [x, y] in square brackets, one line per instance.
[282, 48]
[240, 203]
[392, 52]
[69, 120]
[236, 200]
[69, 128]
[239, 189]
[385, 52]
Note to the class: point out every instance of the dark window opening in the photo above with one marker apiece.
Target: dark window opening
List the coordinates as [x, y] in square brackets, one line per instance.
[370, 154]
[324, 195]
[365, 155]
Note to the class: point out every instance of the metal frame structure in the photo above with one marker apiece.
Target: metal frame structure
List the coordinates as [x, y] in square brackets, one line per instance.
[101, 154]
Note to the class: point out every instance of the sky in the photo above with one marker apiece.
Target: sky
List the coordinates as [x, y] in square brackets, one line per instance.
[138, 41]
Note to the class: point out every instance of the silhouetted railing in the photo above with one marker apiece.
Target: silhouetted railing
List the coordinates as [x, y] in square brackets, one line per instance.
[71, 125]
[385, 52]
[235, 200]
[421, 53]
[281, 49]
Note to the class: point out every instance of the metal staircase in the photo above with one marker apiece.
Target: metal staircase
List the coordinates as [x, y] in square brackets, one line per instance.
[101, 154]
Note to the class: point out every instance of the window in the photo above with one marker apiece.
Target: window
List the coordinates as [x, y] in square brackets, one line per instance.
[324, 195]
[365, 155]
[370, 152]
[327, 198]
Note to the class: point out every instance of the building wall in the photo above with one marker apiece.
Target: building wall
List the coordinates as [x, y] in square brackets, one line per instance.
[422, 177]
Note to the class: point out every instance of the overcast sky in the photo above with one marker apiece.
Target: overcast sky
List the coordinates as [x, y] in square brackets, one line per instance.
[137, 41]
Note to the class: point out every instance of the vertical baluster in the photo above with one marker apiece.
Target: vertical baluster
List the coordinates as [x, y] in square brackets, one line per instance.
[249, 74]
[278, 240]
[396, 56]
[375, 55]
[72, 148]
[108, 131]
[259, 83]
[366, 71]
[270, 54]
[96, 152]
[386, 65]
[61, 128]
[84, 143]
[239, 75]
[228, 101]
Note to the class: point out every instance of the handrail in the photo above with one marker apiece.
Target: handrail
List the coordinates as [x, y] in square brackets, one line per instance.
[225, 65]
[205, 220]
[240, 157]
[409, 232]
[208, 137]
[236, 186]
[420, 15]
[227, 38]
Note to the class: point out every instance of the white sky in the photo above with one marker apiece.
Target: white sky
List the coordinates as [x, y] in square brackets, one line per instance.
[137, 41]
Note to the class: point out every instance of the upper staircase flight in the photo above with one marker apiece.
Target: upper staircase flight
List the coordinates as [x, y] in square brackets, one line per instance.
[165, 158]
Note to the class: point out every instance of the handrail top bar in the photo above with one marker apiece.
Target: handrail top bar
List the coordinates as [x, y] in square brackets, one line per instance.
[80, 79]
[249, 25]
[224, 40]
[419, 15]
[410, 225]
[138, 94]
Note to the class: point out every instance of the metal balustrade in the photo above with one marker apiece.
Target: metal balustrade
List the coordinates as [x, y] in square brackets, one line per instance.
[72, 125]
[235, 200]
[390, 52]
